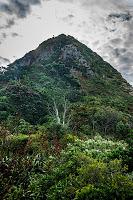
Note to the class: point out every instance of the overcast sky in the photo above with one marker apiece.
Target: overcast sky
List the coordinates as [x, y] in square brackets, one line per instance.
[105, 26]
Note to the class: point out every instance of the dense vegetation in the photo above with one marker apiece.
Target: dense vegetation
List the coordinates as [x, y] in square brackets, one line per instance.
[66, 126]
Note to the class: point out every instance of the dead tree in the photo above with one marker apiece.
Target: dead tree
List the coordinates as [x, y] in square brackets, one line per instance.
[61, 116]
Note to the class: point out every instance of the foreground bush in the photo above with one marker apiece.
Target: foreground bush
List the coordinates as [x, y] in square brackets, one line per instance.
[90, 169]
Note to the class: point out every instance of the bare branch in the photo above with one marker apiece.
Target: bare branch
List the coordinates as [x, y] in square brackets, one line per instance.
[57, 113]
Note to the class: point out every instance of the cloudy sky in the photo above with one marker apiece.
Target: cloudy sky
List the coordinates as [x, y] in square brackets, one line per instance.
[105, 26]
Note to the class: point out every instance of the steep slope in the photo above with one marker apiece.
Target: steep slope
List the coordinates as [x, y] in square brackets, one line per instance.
[65, 59]
[60, 66]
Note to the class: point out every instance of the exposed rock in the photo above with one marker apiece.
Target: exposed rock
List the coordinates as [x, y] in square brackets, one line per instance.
[71, 52]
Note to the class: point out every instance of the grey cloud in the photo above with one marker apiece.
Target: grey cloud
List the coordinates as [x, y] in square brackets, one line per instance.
[4, 60]
[118, 52]
[129, 40]
[103, 3]
[20, 8]
[126, 69]
[68, 19]
[100, 2]
[66, 1]
[4, 35]
[71, 16]
[82, 24]
[9, 23]
[128, 77]
[121, 16]
[124, 56]
[110, 29]
[130, 2]
[120, 57]
[14, 34]
[126, 59]
[116, 41]
[96, 43]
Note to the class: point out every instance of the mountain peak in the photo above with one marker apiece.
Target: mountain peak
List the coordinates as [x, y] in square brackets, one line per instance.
[66, 60]
[58, 41]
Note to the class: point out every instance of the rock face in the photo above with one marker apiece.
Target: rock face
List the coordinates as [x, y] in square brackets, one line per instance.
[70, 52]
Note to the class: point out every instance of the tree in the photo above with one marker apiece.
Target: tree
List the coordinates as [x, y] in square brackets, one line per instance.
[26, 103]
[61, 112]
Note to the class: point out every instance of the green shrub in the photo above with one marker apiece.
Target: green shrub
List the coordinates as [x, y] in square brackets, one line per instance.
[122, 128]
[15, 193]
[55, 130]
[18, 142]
[24, 127]
[89, 192]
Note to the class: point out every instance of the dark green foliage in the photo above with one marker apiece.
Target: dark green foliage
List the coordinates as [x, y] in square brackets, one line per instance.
[101, 119]
[18, 143]
[27, 103]
[55, 130]
[5, 107]
[129, 155]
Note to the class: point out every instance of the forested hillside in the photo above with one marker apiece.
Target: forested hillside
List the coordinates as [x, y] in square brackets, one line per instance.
[66, 126]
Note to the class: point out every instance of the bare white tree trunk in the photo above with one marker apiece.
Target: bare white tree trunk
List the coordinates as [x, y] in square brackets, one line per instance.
[65, 111]
[57, 113]
[61, 116]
